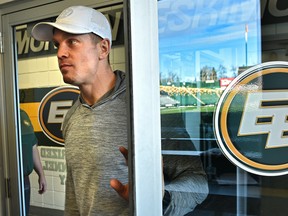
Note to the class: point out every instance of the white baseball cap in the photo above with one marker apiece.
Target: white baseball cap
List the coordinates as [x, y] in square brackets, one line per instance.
[75, 20]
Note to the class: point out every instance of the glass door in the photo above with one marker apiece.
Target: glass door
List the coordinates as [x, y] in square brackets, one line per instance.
[36, 101]
[203, 47]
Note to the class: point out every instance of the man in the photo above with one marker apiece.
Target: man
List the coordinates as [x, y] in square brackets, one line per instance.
[97, 123]
[31, 158]
[95, 126]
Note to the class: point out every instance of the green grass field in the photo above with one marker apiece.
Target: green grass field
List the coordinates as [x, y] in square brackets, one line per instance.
[187, 109]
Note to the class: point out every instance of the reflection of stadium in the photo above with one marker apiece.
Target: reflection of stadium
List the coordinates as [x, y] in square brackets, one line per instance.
[167, 101]
[187, 96]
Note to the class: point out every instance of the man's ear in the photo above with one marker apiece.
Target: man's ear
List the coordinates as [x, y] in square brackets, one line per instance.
[104, 49]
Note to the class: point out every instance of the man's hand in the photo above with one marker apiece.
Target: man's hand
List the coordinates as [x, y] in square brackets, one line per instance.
[122, 190]
[42, 184]
[124, 152]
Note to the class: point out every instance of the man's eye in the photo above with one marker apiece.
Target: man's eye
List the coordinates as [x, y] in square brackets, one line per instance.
[56, 45]
[72, 41]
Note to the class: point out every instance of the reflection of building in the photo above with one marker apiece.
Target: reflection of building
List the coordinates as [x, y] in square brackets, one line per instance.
[242, 69]
[274, 31]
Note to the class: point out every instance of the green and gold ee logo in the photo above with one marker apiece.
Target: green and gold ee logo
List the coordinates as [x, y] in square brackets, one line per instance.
[52, 110]
[251, 120]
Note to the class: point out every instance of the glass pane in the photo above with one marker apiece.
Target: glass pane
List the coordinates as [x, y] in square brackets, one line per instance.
[44, 102]
[37, 76]
[274, 29]
[203, 46]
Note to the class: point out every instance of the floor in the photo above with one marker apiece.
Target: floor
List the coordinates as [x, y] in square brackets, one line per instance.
[38, 211]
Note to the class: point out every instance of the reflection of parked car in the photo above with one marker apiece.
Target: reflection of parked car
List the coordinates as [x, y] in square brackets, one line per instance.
[166, 101]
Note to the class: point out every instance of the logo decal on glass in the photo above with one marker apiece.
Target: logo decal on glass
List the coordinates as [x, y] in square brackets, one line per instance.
[251, 120]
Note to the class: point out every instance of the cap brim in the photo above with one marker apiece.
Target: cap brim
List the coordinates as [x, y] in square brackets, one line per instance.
[44, 31]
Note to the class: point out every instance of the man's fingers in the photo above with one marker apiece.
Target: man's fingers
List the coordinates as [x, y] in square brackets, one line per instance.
[121, 189]
[124, 152]
[117, 185]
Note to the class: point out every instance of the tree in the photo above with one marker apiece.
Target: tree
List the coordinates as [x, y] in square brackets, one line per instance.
[222, 71]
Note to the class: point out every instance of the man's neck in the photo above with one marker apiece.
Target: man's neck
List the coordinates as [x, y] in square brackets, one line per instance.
[92, 93]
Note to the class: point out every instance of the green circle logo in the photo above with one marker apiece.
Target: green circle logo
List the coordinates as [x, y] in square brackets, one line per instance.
[52, 111]
[251, 120]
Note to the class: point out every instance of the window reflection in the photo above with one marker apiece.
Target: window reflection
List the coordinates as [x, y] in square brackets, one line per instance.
[203, 46]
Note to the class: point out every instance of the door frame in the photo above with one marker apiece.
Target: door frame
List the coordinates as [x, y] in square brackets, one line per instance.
[143, 73]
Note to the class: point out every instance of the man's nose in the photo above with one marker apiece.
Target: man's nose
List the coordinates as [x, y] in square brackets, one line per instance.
[62, 52]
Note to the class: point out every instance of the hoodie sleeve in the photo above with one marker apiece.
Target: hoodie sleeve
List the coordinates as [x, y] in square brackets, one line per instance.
[186, 184]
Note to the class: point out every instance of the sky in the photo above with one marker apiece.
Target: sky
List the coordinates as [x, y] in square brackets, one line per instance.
[194, 34]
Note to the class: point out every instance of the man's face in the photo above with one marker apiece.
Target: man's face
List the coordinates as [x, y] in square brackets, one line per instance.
[78, 57]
